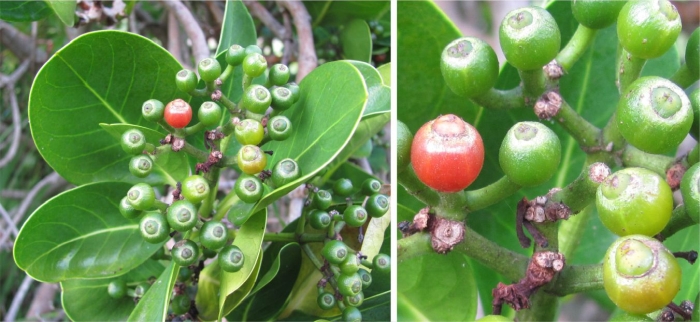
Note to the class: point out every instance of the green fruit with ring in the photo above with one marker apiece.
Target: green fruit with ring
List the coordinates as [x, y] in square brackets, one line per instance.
[634, 201]
[343, 187]
[404, 140]
[596, 14]
[284, 172]
[279, 128]
[141, 196]
[355, 216]
[256, 98]
[209, 113]
[377, 205]
[133, 142]
[352, 314]
[184, 275]
[648, 29]
[469, 67]
[366, 277]
[153, 110]
[213, 234]
[185, 252]
[127, 210]
[370, 186]
[654, 115]
[319, 219]
[326, 301]
[349, 284]
[692, 53]
[254, 64]
[281, 98]
[279, 74]
[296, 91]
[231, 259]
[529, 37]
[186, 80]
[382, 263]
[195, 189]
[529, 154]
[251, 159]
[253, 49]
[235, 55]
[334, 251]
[355, 300]
[695, 104]
[248, 188]
[182, 215]
[690, 190]
[141, 165]
[249, 132]
[209, 69]
[154, 228]
[117, 288]
[350, 265]
[640, 275]
[180, 304]
[322, 199]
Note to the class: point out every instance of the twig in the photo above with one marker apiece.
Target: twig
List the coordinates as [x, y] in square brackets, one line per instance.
[259, 11]
[216, 11]
[16, 126]
[200, 50]
[364, 164]
[174, 37]
[14, 77]
[307, 52]
[19, 43]
[11, 225]
[19, 297]
[52, 179]
[42, 301]
[288, 39]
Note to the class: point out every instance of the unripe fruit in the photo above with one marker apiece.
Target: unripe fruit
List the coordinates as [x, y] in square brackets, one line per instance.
[256, 98]
[152, 110]
[127, 210]
[133, 142]
[366, 277]
[279, 128]
[350, 265]
[178, 113]
[284, 172]
[404, 140]
[447, 154]
[180, 304]
[692, 53]
[231, 259]
[640, 275]
[355, 216]
[209, 69]
[350, 284]
[195, 189]
[326, 301]
[141, 166]
[253, 49]
[596, 14]
[182, 215]
[213, 235]
[355, 300]
[377, 205]
[117, 289]
[249, 132]
[654, 115]
[281, 98]
[209, 113]
[235, 55]
[382, 263]
[254, 65]
[154, 228]
[695, 104]
[185, 252]
[319, 219]
[634, 201]
[141, 196]
[248, 188]
[370, 186]
[647, 29]
[469, 67]
[529, 154]
[296, 91]
[186, 80]
[690, 190]
[342, 187]
[529, 38]
[251, 159]
[334, 251]
[322, 199]
[352, 314]
[279, 74]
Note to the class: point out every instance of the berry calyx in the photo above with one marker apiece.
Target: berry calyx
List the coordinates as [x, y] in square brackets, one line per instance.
[529, 154]
[209, 113]
[248, 188]
[529, 38]
[249, 132]
[284, 172]
[185, 252]
[647, 29]
[141, 196]
[279, 128]
[231, 259]
[213, 234]
[195, 189]
[334, 251]
[447, 154]
[178, 113]
[209, 69]
[256, 98]
[186, 80]
[182, 215]
[254, 64]
[154, 228]
[152, 110]
[133, 142]
[469, 67]
[251, 159]
[141, 166]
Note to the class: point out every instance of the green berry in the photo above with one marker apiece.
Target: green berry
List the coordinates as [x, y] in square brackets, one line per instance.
[326, 301]
[256, 98]
[235, 55]
[279, 128]
[141, 289]
[182, 215]
[127, 210]
[180, 304]
[319, 219]
[322, 199]
[248, 188]
[251, 159]
[529, 38]
[382, 263]
[195, 189]
[350, 265]
[349, 284]
[596, 14]
[654, 115]
[249, 132]
[690, 190]
[209, 69]
[352, 314]
[335, 252]
[133, 142]
[355, 300]
[279, 74]
[253, 49]
[404, 140]
[159, 254]
[640, 275]
[209, 253]
[186, 80]
[695, 104]
[141, 196]
[213, 234]
[296, 91]
[377, 205]
[495, 318]
[529, 154]
[647, 29]
[284, 172]
[634, 201]
[370, 186]
[342, 187]
[254, 65]
[154, 228]
[209, 113]
[231, 259]
[152, 110]
[355, 216]
[469, 67]
[185, 252]
[281, 98]
[184, 275]
[692, 53]
[366, 277]
[117, 288]
[141, 165]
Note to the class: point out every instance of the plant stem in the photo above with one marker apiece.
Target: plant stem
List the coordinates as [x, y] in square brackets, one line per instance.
[491, 194]
[629, 69]
[571, 230]
[581, 192]
[585, 133]
[211, 87]
[194, 128]
[543, 307]
[228, 104]
[658, 163]
[693, 155]
[452, 206]
[166, 126]
[577, 45]
[301, 224]
[292, 237]
[226, 73]
[212, 178]
[576, 279]
[534, 83]
[247, 80]
[611, 134]
[679, 221]
[200, 155]
[684, 77]
[501, 99]
[418, 189]
[310, 254]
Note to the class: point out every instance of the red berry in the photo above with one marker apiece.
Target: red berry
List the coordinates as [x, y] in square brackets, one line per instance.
[447, 153]
[178, 113]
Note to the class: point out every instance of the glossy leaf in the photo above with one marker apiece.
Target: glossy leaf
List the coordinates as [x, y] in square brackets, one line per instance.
[99, 77]
[333, 97]
[27, 10]
[338, 12]
[237, 28]
[65, 10]
[81, 234]
[170, 167]
[235, 286]
[153, 306]
[375, 308]
[356, 41]
[88, 300]
[207, 298]
[683, 241]
[379, 95]
[385, 71]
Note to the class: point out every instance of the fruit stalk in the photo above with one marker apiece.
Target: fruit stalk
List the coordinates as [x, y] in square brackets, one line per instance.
[501, 99]
[585, 133]
[418, 189]
[577, 45]
[491, 194]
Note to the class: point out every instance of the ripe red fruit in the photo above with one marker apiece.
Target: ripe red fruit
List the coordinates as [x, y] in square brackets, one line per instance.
[178, 113]
[447, 153]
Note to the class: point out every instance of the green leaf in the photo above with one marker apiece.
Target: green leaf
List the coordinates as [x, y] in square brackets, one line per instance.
[333, 97]
[207, 297]
[339, 12]
[235, 286]
[683, 241]
[153, 306]
[379, 98]
[385, 71]
[375, 308]
[88, 300]
[356, 41]
[237, 27]
[170, 167]
[81, 234]
[99, 77]
[65, 10]
[28, 10]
